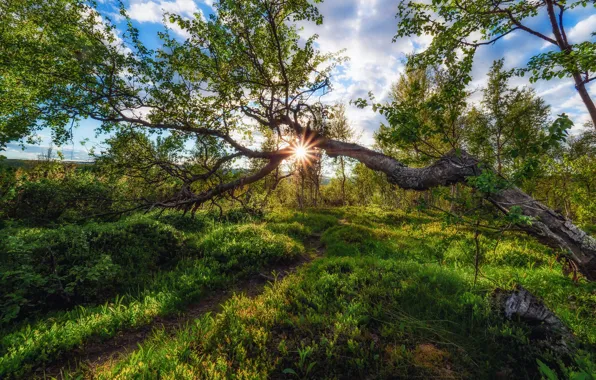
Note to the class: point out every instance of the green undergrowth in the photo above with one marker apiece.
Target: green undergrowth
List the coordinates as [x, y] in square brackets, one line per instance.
[51, 269]
[395, 296]
[347, 318]
[301, 223]
[204, 256]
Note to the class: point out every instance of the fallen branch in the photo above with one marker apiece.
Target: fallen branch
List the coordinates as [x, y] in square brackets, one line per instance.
[547, 329]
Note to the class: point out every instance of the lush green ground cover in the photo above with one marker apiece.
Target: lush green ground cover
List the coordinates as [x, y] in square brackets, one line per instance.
[121, 275]
[394, 296]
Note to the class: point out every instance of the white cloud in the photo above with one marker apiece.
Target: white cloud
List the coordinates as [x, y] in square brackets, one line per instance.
[511, 36]
[364, 28]
[154, 11]
[582, 31]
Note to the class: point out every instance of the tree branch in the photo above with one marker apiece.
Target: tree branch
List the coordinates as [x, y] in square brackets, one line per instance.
[550, 227]
[187, 200]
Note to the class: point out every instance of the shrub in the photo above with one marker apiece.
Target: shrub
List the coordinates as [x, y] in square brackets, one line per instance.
[294, 229]
[8, 183]
[353, 240]
[186, 223]
[57, 200]
[45, 269]
[247, 247]
[238, 215]
[314, 221]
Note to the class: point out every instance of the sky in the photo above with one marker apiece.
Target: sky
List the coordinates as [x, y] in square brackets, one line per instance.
[365, 29]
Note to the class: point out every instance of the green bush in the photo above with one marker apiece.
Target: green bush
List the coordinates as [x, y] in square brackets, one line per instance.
[294, 229]
[46, 269]
[243, 248]
[58, 200]
[186, 223]
[8, 184]
[314, 221]
[239, 215]
[354, 240]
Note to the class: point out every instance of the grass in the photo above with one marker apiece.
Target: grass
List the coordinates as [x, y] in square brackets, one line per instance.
[337, 320]
[218, 257]
[393, 297]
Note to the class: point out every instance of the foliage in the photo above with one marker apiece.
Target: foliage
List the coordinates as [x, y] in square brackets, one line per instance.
[313, 221]
[434, 322]
[44, 269]
[8, 184]
[246, 61]
[40, 67]
[424, 115]
[568, 180]
[241, 248]
[68, 199]
[398, 294]
[339, 128]
[463, 28]
[53, 192]
[511, 132]
[488, 182]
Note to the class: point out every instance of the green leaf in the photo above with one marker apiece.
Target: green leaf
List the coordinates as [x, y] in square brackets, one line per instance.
[289, 371]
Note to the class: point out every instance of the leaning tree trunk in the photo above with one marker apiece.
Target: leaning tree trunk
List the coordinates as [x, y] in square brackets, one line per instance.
[547, 225]
[550, 227]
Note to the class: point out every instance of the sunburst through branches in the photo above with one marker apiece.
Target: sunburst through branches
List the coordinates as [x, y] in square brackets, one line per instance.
[304, 152]
[300, 153]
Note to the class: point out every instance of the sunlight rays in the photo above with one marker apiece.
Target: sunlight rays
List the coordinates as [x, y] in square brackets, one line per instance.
[300, 152]
[304, 151]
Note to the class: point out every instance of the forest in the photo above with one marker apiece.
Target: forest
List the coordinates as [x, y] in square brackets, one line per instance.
[233, 218]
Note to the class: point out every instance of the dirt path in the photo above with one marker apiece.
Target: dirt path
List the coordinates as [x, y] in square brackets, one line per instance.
[96, 353]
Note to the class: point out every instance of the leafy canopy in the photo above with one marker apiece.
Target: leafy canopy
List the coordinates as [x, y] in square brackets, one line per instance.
[463, 26]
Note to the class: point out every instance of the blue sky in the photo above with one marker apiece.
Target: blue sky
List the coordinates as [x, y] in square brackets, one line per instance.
[364, 28]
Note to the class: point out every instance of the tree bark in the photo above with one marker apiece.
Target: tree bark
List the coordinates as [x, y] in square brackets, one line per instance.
[565, 47]
[580, 86]
[550, 227]
[547, 328]
[343, 181]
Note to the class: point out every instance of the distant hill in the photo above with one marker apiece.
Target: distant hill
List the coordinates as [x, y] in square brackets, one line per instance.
[18, 163]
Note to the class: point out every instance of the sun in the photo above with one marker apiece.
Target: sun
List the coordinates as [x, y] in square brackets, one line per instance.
[300, 152]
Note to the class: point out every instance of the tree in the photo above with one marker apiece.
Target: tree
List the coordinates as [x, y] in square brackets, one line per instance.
[424, 114]
[243, 71]
[569, 179]
[509, 130]
[464, 26]
[340, 129]
[48, 51]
